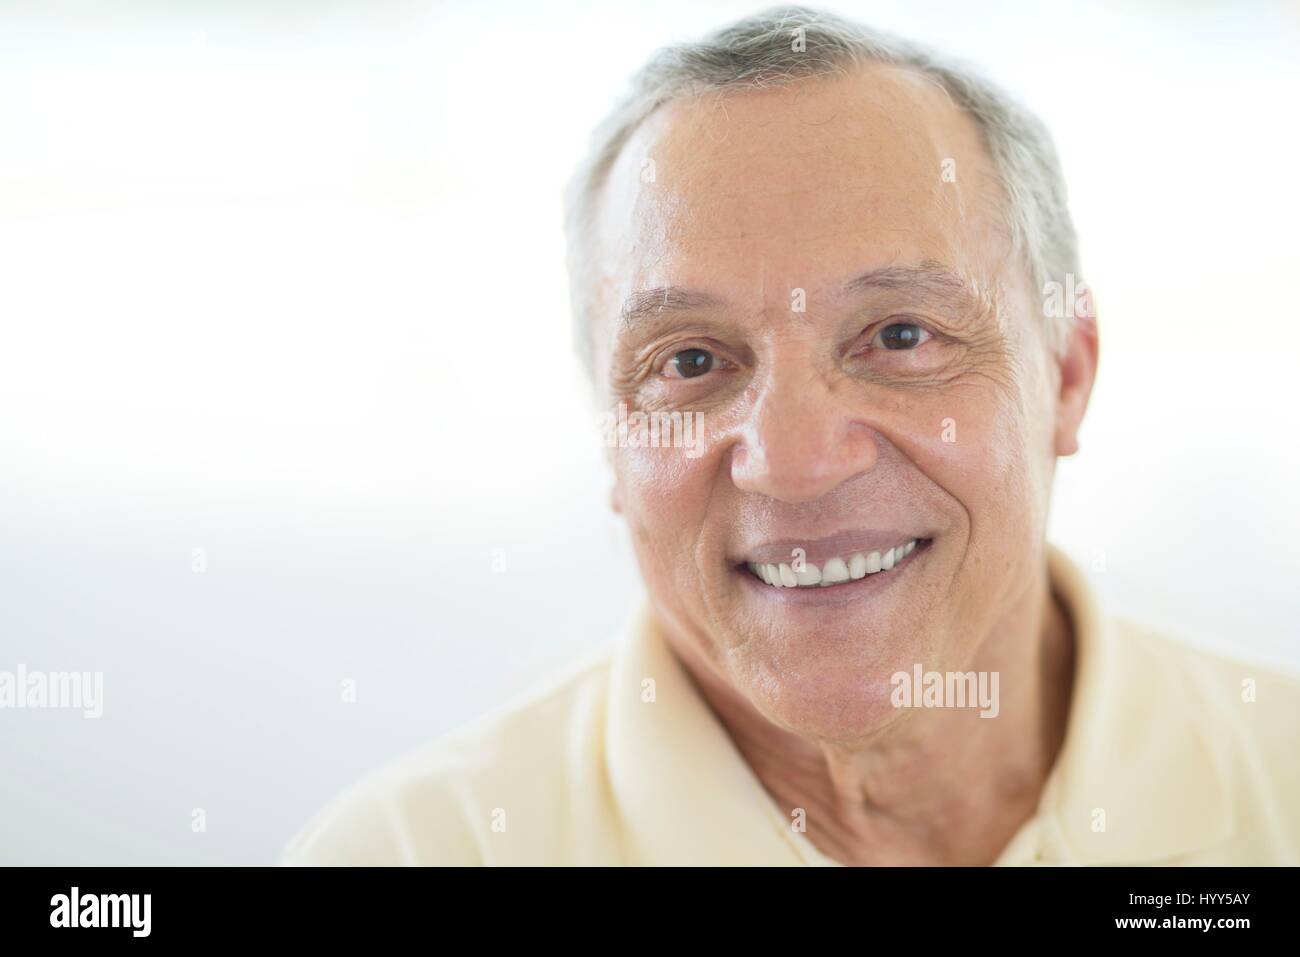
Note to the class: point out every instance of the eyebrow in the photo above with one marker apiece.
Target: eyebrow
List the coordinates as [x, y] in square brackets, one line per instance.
[929, 277]
[663, 299]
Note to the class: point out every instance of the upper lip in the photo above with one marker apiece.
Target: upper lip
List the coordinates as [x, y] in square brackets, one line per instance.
[820, 550]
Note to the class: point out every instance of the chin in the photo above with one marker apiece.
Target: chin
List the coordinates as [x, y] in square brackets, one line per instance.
[832, 699]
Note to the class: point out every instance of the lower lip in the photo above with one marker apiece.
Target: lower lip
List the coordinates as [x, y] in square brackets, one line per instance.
[840, 593]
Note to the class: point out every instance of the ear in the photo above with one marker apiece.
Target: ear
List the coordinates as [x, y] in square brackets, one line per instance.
[1077, 365]
[615, 498]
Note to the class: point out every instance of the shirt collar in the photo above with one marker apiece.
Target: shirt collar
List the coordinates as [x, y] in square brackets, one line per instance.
[687, 796]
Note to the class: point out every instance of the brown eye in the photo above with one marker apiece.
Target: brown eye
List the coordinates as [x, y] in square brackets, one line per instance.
[689, 364]
[902, 335]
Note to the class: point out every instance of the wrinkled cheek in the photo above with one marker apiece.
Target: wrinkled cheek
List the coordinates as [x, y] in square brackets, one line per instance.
[990, 469]
[970, 445]
[665, 494]
[660, 479]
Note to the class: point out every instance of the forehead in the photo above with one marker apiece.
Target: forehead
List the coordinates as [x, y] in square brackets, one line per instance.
[753, 193]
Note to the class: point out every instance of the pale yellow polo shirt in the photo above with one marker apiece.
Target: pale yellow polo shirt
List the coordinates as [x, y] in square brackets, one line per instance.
[1171, 756]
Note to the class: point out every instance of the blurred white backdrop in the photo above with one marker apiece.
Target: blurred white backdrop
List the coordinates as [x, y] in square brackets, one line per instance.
[284, 282]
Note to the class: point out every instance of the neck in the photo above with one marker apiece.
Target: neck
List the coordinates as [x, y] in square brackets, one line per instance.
[937, 786]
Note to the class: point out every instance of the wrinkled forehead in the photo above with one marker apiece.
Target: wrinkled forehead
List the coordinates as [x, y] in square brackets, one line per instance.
[757, 192]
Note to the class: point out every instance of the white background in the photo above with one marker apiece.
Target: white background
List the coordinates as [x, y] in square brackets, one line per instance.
[284, 282]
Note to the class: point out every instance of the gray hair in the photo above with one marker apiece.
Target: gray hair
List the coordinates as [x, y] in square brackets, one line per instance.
[758, 52]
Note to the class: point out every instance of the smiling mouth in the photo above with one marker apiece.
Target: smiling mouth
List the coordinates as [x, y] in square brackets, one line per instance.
[834, 571]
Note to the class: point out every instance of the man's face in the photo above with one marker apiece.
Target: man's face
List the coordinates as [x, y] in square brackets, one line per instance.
[821, 270]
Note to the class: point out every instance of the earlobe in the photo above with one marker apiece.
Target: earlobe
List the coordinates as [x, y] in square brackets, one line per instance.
[615, 499]
[1077, 365]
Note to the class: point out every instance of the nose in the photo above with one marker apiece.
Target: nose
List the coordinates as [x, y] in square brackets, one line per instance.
[801, 441]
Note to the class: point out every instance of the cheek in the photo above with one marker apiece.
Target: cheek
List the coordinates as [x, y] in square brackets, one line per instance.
[977, 443]
[657, 477]
[989, 455]
[665, 495]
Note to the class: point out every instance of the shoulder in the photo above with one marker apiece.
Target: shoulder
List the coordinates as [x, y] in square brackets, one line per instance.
[1249, 713]
[1228, 686]
[499, 784]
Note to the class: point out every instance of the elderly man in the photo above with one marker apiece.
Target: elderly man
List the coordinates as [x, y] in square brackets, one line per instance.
[853, 266]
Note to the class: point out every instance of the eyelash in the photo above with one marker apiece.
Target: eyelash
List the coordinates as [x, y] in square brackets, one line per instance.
[662, 364]
[926, 335]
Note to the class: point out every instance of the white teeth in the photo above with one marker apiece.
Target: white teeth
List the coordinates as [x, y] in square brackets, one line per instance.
[811, 575]
[836, 570]
[857, 566]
